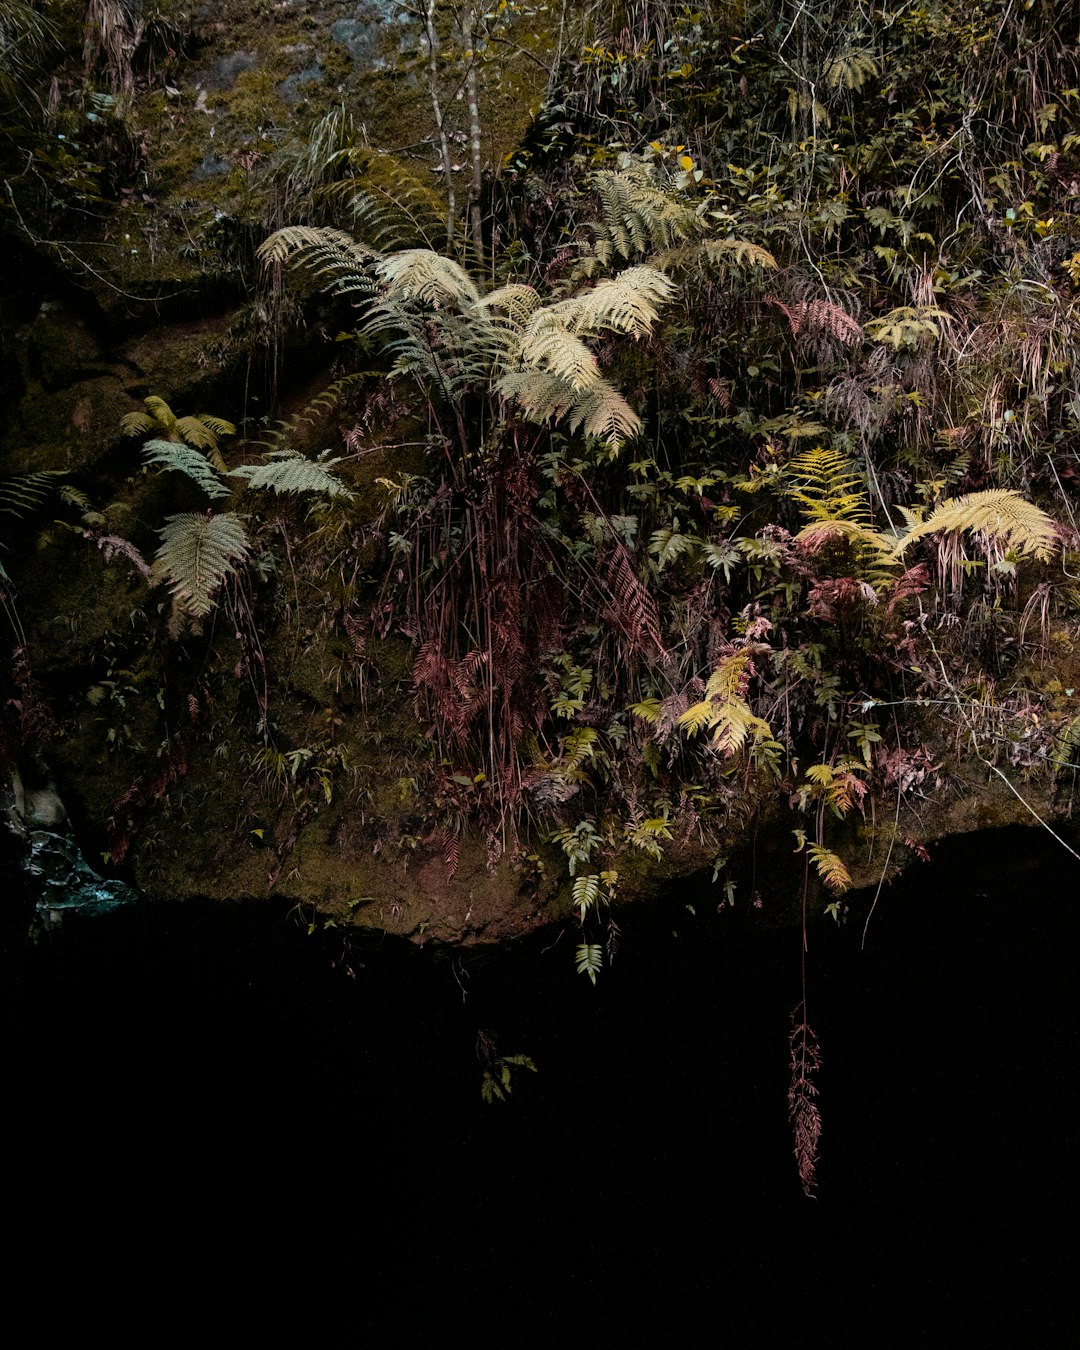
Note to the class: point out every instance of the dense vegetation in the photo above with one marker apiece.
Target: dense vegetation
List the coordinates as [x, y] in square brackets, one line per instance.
[705, 456]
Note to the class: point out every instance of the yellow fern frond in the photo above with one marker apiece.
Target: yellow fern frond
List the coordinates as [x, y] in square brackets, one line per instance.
[1000, 514]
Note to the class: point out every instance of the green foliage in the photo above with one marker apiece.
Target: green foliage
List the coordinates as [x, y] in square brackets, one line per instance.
[184, 459]
[495, 1084]
[197, 553]
[288, 471]
[590, 959]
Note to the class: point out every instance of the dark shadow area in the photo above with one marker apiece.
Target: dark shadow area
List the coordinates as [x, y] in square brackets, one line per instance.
[208, 1083]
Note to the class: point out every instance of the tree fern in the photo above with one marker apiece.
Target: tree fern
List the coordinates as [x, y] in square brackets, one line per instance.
[1000, 514]
[197, 553]
[288, 471]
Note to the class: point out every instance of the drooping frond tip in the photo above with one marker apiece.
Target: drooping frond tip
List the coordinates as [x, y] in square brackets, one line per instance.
[999, 513]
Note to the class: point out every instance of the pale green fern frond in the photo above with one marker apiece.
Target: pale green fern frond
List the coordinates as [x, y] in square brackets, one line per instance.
[541, 396]
[198, 551]
[563, 355]
[638, 215]
[1000, 514]
[187, 460]
[518, 302]
[603, 412]
[338, 262]
[288, 471]
[714, 253]
[420, 274]
[628, 303]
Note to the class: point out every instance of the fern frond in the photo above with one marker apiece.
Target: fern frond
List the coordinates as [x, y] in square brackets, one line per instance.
[197, 553]
[830, 867]
[851, 70]
[555, 350]
[628, 303]
[586, 893]
[338, 261]
[187, 460]
[136, 424]
[25, 491]
[1000, 514]
[714, 253]
[517, 301]
[420, 274]
[828, 487]
[590, 959]
[543, 397]
[289, 471]
[603, 412]
[162, 414]
[638, 215]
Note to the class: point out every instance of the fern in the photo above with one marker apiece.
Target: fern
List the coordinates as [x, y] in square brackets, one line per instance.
[182, 458]
[638, 215]
[999, 513]
[420, 274]
[629, 303]
[828, 488]
[201, 430]
[590, 959]
[851, 70]
[197, 553]
[830, 868]
[586, 893]
[339, 264]
[725, 712]
[23, 493]
[288, 471]
[714, 253]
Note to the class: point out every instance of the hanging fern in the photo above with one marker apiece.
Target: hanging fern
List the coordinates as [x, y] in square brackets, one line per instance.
[590, 959]
[288, 471]
[197, 553]
[185, 459]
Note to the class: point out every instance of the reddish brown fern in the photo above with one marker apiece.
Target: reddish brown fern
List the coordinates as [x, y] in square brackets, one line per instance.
[635, 611]
[802, 1107]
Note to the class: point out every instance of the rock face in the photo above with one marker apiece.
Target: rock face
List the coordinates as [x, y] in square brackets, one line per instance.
[277, 745]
